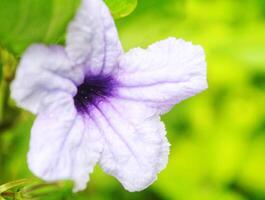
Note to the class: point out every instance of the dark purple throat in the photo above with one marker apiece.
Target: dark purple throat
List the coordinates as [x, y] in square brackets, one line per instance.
[93, 90]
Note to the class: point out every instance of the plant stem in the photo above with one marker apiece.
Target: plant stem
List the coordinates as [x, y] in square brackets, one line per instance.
[12, 184]
[4, 95]
[8, 63]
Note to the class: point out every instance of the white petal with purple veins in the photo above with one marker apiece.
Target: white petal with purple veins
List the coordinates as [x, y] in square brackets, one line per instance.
[63, 144]
[136, 148]
[164, 74]
[43, 70]
[93, 39]
[94, 104]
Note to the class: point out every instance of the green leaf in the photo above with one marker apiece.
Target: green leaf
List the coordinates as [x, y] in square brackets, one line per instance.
[24, 22]
[121, 8]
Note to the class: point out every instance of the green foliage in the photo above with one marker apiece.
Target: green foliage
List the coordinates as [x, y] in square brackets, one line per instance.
[23, 22]
[121, 8]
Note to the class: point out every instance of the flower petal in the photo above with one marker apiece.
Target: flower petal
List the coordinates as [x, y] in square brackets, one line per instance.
[136, 148]
[63, 144]
[166, 73]
[41, 71]
[93, 39]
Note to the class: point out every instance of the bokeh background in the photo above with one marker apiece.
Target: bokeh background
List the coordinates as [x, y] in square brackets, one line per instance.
[217, 137]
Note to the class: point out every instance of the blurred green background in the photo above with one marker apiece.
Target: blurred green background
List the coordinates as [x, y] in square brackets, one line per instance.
[217, 137]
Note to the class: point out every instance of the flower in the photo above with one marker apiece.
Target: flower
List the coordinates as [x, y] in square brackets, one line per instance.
[96, 104]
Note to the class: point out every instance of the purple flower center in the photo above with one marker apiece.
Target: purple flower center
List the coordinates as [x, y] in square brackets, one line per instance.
[93, 90]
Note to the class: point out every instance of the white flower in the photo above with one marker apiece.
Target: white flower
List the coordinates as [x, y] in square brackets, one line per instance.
[96, 104]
